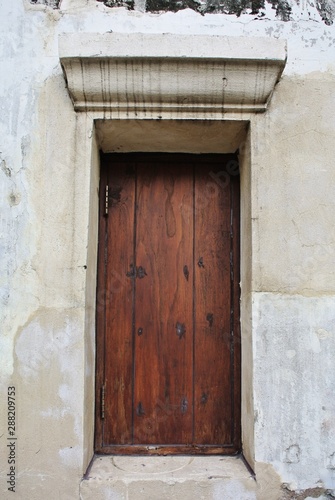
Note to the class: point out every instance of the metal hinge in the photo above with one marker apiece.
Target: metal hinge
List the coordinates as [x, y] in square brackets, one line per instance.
[106, 199]
[103, 402]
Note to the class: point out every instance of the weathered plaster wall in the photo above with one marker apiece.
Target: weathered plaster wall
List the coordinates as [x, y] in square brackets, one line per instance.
[284, 10]
[47, 260]
[294, 278]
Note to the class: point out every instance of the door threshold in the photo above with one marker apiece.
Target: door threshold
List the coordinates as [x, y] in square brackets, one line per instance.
[166, 477]
[159, 449]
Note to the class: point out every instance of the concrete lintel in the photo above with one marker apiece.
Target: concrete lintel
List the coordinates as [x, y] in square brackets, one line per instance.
[166, 75]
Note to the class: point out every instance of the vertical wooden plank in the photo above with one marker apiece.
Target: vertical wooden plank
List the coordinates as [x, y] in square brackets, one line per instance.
[119, 304]
[236, 326]
[164, 322]
[213, 400]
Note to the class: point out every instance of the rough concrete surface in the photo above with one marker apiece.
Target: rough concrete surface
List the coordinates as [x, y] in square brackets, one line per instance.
[163, 478]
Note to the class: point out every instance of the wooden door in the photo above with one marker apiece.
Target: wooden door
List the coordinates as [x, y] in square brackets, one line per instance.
[168, 341]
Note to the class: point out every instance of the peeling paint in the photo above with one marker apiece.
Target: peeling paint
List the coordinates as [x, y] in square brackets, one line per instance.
[55, 4]
[326, 10]
[310, 493]
[283, 8]
[129, 4]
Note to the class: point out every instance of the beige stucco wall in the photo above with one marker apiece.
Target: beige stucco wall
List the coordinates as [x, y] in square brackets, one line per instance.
[293, 280]
[48, 181]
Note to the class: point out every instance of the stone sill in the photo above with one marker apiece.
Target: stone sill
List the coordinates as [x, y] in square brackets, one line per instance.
[165, 478]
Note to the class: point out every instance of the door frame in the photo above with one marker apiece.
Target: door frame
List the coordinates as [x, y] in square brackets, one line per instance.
[229, 175]
[89, 140]
[88, 52]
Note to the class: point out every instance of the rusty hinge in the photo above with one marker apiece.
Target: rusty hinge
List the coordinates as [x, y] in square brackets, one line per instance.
[102, 402]
[106, 199]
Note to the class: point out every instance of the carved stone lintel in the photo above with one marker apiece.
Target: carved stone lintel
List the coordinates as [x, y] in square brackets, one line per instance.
[208, 75]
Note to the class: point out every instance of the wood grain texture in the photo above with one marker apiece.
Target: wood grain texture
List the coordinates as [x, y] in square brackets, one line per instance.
[212, 377]
[168, 340]
[163, 359]
[119, 305]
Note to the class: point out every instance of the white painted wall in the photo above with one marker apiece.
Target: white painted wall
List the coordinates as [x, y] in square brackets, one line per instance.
[44, 217]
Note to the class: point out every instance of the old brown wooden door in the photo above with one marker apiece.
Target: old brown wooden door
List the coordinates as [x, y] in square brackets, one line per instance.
[168, 344]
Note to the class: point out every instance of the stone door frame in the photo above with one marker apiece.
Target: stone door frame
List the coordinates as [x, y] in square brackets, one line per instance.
[202, 95]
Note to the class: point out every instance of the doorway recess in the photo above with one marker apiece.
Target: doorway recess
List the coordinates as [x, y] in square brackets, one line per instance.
[198, 92]
[168, 338]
